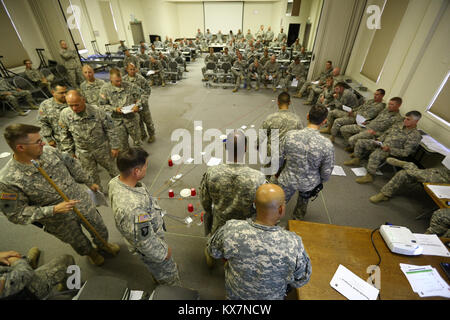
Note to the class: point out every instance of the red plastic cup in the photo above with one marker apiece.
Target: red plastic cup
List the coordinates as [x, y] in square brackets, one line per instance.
[171, 194]
[193, 192]
[190, 207]
[170, 163]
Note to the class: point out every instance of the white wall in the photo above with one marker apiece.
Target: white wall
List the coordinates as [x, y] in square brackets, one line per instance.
[257, 14]
[416, 63]
[190, 18]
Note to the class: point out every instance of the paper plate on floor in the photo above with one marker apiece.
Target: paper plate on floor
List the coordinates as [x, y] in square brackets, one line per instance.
[185, 193]
[4, 154]
[175, 157]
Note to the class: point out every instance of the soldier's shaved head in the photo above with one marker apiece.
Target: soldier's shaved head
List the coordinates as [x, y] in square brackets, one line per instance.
[75, 101]
[270, 203]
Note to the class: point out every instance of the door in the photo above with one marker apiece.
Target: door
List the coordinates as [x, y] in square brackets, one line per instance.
[137, 32]
[306, 36]
[294, 29]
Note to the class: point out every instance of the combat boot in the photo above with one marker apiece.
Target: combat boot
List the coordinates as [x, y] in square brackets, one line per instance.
[396, 162]
[307, 103]
[378, 198]
[274, 89]
[112, 248]
[163, 84]
[326, 130]
[331, 139]
[235, 89]
[33, 257]
[95, 258]
[353, 162]
[209, 260]
[151, 139]
[249, 88]
[257, 88]
[366, 179]
[297, 95]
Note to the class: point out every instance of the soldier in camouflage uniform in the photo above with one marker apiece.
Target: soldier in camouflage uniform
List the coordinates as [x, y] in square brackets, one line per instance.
[211, 57]
[87, 132]
[131, 59]
[20, 280]
[255, 72]
[342, 97]
[36, 76]
[48, 115]
[315, 90]
[368, 110]
[265, 58]
[309, 160]
[281, 36]
[296, 46]
[374, 128]
[139, 218]
[401, 140]
[145, 117]
[27, 198]
[122, 47]
[440, 223]
[272, 73]
[248, 36]
[283, 121]
[156, 66]
[327, 95]
[411, 175]
[90, 88]
[12, 95]
[295, 70]
[227, 191]
[72, 63]
[142, 55]
[239, 71]
[113, 97]
[269, 36]
[283, 55]
[263, 259]
[321, 78]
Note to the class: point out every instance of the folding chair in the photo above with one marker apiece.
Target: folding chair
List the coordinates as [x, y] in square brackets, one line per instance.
[24, 84]
[172, 71]
[61, 72]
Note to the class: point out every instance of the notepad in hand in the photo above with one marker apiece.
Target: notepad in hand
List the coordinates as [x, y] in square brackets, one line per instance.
[345, 108]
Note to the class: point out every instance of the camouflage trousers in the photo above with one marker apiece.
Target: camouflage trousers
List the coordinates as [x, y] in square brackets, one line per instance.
[314, 92]
[165, 272]
[276, 78]
[238, 77]
[306, 87]
[340, 122]
[159, 76]
[251, 77]
[14, 97]
[49, 275]
[376, 157]
[440, 223]
[409, 176]
[75, 77]
[145, 120]
[67, 228]
[288, 80]
[302, 204]
[100, 156]
[333, 115]
[352, 133]
[128, 127]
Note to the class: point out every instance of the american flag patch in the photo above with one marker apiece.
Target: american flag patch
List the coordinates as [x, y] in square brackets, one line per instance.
[9, 196]
[143, 218]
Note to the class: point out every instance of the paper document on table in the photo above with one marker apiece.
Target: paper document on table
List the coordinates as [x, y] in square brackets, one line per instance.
[315, 82]
[345, 108]
[442, 192]
[446, 161]
[432, 245]
[127, 109]
[435, 146]
[360, 120]
[338, 171]
[425, 281]
[151, 72]
[294, 83]
[351, 286]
